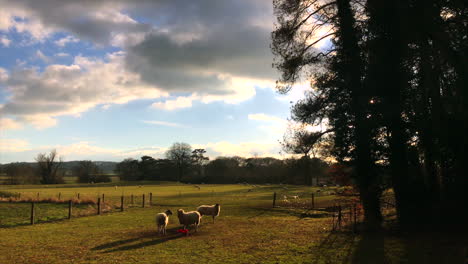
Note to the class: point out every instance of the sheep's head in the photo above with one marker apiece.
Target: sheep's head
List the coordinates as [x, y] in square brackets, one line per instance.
[168, 212]
[180, 215]
[180, 212]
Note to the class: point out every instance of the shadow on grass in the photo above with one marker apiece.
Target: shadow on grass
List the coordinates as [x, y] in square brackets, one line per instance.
[126, 244]
[346, 247]
[370, 249]
[299, 213]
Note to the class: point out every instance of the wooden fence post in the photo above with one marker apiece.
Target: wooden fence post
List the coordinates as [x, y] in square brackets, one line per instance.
[339, 216]
[78, 196]
[60, 196]
[313, 201]
[274, 199]
[151, 199]
[69, 209]
[103, 198]
[38, 196]
[99, 206]
[355, 218]
[32, 213]
[121, 203]
[333, 216]
[143, 201]
[131, 200]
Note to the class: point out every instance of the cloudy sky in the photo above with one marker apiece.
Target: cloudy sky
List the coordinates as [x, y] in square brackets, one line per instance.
[106, 80]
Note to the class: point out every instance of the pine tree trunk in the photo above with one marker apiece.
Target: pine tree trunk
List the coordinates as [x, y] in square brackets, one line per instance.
[353, 71]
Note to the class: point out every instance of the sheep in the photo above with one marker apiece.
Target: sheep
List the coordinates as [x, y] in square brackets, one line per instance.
[196, 186]
[212, 210]
[162, 219]
[295, 197]
[189, 218]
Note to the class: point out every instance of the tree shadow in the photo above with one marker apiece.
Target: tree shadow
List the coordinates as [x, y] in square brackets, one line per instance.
[370, 249]
[299, 213]
[125, 244]
[336, 247]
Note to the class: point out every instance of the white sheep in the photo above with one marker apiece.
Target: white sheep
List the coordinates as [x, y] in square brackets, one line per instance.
[295, 197]
[189, 218]
[162, 219]
[212, 210]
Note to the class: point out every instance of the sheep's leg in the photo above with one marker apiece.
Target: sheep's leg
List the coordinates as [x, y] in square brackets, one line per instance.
[213, 218]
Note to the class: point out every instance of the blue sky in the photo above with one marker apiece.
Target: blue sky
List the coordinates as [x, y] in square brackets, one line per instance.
[107, 80]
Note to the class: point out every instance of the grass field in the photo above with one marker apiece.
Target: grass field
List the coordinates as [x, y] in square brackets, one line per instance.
[247, 231]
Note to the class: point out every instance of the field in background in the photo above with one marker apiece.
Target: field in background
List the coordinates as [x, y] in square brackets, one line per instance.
[248, 230]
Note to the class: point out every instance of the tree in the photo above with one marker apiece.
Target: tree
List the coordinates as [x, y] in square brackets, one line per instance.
[128, 169]
[21, 173]
[392, 86]
[147, 168]
[180, 154]
[300, 140]
[88, 172]
[199, 160]
[339, 94]
[48, 168]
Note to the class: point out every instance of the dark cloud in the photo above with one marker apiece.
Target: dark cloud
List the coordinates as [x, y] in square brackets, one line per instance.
[182, 46]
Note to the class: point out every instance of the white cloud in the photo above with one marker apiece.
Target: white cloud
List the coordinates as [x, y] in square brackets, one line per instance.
[5, 41]
[243, 149]
[40, 121]
[42, 57]
[264, 117]
[162, 123]
[62, 54]
[40, 97]
[3, 75]
[13, 145]
[84, 149]
[68, 39]
[9, 124]
[178, 103]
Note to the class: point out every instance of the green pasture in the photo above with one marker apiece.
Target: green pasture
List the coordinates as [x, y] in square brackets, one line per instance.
[247, 231]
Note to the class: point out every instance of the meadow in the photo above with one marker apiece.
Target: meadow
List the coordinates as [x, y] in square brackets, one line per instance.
[248, 230]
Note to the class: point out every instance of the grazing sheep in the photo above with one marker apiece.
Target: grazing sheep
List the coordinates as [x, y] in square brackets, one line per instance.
[189, 218]
[295, 197]
[198, 187]
[162, 219]
[212, 210]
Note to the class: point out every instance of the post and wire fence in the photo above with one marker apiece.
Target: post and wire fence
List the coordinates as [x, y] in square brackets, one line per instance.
[43, 209]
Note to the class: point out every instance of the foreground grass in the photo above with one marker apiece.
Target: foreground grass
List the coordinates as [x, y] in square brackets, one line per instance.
[248, 231]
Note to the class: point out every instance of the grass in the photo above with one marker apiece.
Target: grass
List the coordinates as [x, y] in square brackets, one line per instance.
[248, 231]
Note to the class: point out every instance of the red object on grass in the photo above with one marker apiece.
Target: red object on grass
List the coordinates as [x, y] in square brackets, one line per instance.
[183, 231]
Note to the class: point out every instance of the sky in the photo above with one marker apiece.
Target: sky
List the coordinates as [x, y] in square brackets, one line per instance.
[108, 80]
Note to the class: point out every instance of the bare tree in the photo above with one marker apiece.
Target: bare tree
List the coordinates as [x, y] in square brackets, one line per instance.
[48, 167]
[180, 154]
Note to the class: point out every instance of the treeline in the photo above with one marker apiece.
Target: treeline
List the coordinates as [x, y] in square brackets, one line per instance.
[392, 85]
[50, 169]
[182, 164]
[191, 166]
